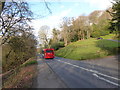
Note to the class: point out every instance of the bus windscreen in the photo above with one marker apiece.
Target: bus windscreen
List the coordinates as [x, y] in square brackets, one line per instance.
[49, 51]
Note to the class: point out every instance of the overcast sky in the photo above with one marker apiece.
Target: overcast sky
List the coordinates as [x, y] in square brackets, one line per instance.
[62, 8]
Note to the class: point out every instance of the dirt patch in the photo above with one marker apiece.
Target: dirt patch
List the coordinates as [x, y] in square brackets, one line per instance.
[22, 78]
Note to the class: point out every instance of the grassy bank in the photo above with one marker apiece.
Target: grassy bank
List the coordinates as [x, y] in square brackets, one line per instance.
[89, 49]
[21, 77]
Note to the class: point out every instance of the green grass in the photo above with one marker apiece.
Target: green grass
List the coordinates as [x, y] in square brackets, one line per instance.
[110, 36]
[88, 49]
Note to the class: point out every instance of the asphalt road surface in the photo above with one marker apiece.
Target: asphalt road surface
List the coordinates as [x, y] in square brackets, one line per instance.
[99, 73]
[114, 40]
[46, 78]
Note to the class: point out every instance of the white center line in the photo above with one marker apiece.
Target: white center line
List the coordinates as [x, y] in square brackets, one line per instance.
[95, 72]
[105, 79]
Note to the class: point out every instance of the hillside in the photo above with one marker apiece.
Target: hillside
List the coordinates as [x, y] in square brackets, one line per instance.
[89, 49]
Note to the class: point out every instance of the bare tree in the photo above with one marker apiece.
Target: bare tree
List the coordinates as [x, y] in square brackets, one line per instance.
[43, 36]
[56, 35]
[14, 14]
[81, 27]
[66, 30]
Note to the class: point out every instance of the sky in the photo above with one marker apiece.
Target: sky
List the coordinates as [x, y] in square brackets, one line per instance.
[60, 9]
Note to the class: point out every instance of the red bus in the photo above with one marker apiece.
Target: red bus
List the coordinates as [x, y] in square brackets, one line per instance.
[48, 53]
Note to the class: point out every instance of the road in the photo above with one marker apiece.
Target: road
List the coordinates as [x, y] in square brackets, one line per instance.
[100, 73]
[114, 40]
[46, 78]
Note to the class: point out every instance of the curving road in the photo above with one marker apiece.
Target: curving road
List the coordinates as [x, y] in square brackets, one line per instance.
[100, 73]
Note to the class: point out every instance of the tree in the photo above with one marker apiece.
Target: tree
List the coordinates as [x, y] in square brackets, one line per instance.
[93, 17]
[66, 30]
[82, 27]
[75, 29]
[56, 35]
[99, 23]
[19, 49]
[18, 42]
[55, 42]
[74, 33]
[44, 36]
[15, 14]
[115, 22]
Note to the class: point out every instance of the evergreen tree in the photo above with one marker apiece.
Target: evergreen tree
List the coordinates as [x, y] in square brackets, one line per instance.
[115, 22]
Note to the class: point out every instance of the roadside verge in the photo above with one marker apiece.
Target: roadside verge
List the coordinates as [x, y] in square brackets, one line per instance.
[21, 77]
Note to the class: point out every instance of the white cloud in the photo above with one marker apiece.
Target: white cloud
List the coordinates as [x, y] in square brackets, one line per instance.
[52, 21]
[77, 4]
[62, 6]
[102, 4]
[65, 12]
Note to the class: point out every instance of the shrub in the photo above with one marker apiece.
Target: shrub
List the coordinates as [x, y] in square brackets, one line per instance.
[57, 45]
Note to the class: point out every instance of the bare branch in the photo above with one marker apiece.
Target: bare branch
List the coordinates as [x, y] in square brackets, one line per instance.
[48, 7]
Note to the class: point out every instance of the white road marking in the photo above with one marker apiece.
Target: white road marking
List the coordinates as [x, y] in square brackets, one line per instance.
[105, 80]
[95, 72]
